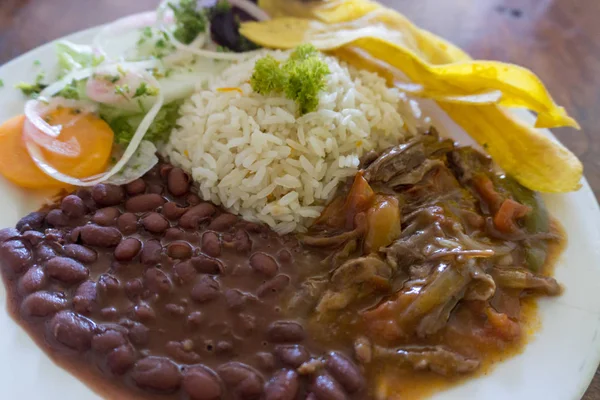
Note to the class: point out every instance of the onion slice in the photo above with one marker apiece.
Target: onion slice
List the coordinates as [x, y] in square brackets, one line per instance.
[251, 9]
[38, 157]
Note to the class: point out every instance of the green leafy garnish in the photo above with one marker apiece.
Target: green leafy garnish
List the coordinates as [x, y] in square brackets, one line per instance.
[70, 91]
[33, 89]
[268, 76]
[124, 126]
[300, 78]
[1, 83]
[190, 21]
[145, 90]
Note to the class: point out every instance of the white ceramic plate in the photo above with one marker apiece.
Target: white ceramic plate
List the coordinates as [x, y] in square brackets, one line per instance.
[558, 363]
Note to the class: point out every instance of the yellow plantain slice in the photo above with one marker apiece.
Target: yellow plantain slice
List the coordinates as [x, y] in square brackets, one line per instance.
[519, 86]
[393, 43]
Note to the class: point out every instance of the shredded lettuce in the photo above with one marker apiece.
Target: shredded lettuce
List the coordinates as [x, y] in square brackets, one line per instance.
[72, 57]
[124, 125]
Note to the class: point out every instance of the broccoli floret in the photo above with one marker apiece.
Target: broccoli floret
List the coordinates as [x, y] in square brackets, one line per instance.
[268, 76]
[300, 78]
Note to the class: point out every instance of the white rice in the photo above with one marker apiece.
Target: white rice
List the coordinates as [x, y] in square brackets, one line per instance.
[259, 158]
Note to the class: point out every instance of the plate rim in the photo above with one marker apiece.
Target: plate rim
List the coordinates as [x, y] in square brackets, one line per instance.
[586, 375]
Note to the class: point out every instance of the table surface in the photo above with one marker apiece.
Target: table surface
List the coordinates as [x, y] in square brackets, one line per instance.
[554, 38]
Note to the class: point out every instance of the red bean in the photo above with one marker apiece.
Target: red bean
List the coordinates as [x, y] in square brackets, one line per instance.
[143, 312]
[207, 265]
[32, 221]
[174, 309]
[144, 203]
[184, 272]
[136, 187]
[178, 182]
[151, 252]
[246, 324]
[155, 223]
[66, 270]
[33, 237]
[43, 304]
[80, 253]
[174, 233]
[72, 330]
[192, 199]
[246, 382]
[242, 242]
[273, 286]
[108, 284]
[195, 319]
[33, 280]
[57, 218]
[121, 359]
[201, 383]
[138, 333]
[94, 235]
[326, 388]
[109, 313]
[179, 250]
[84, 300]
[156, 373]
[235, 299]
[285, 332]
[283, 385]
[55, 235]
[127, 223]
[107, 195]
[164, 170]
[195, 215]
[293, 355]
[264, 264]
[15, 256]
[265, 361]
[45, 251]
[157, 281]
[205, 290]
[155, 188]
[72, 206]
[223, 222]
[106, 216]
[284, 256]
[181, 352]
[210, 244]
[134, 288]
[172, 211]
[128, 249]
[108, 339]
[12, 233]
[345, 372]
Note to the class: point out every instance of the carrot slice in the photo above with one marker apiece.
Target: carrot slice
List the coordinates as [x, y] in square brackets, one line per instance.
[509, 212]
[93, 135]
